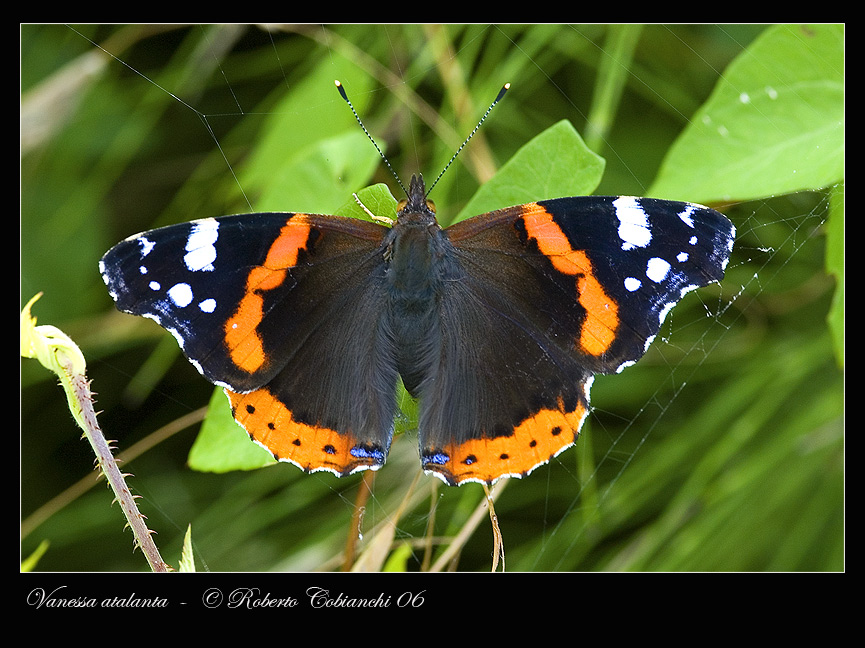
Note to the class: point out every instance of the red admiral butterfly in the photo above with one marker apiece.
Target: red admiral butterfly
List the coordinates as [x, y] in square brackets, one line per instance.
[497, 324]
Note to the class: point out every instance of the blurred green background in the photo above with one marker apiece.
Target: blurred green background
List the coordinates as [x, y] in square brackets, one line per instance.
[722, 449]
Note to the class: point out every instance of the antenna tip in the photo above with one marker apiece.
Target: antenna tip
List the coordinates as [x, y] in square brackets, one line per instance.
[502, 92]
[340, 88]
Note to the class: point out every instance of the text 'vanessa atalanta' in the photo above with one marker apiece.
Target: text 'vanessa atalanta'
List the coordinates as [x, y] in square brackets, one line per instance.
[497, 324]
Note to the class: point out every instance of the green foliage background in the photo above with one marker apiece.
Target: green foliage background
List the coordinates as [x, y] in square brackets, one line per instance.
[722, 449]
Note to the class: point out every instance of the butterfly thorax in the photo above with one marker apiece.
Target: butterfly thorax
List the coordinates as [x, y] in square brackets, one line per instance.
[413, 250]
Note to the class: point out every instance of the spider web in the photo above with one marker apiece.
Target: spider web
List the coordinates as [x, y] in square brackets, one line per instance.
[633, 491]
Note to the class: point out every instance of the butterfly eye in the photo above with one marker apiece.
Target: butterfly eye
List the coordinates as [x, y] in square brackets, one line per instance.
[431, 205]
[401, 205]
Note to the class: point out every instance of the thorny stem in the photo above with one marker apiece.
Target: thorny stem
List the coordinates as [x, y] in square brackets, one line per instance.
[116, 479]
[57, 352]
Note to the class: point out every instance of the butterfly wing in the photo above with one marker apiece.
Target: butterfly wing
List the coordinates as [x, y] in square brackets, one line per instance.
[261, 304]
[550, 294]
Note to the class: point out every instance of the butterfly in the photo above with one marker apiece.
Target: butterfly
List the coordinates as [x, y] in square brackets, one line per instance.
[496, 324]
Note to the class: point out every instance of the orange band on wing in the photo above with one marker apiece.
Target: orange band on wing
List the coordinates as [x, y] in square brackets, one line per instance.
[602, 312]
[241, 336]
[310, 447]
[534, 442]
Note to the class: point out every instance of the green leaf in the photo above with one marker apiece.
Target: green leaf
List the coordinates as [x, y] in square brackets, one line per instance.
[555, 164]
[310, 179]
[222, 445]
[774, 123]
[398, 560]
[377, 199]
[29, 563]
[187, 557]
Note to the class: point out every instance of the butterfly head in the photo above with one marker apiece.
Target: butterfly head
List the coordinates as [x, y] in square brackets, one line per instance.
[416, 205]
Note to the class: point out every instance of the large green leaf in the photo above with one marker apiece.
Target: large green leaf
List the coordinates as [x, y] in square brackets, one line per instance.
[774, 123]
[555, 164]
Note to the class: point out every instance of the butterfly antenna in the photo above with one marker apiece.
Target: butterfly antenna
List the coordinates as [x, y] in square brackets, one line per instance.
[498, 98]
[357, 117]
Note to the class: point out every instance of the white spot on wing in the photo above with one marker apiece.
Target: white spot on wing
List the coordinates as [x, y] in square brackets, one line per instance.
[146, 245]
[200, 249]
[180, 294]
[633, 223]
[657, 269]
[686, 215]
